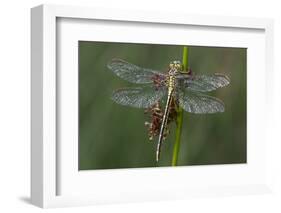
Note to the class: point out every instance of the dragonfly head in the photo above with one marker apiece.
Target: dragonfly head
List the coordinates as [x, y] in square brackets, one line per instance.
[175, 67]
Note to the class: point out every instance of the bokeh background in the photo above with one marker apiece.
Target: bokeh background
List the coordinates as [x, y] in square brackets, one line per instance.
[114, 136]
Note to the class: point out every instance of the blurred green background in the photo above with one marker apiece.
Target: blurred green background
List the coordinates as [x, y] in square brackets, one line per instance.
[114, 136]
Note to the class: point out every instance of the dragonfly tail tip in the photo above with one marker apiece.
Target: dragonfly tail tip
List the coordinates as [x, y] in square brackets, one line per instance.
[157, 156]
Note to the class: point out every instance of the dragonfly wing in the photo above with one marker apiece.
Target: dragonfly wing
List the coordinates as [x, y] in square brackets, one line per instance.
[131, 72]
[196, 102]
[140, 97]
[205, 83]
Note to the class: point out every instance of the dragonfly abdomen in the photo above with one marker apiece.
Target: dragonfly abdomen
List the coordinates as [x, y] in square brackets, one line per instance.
[171, 86]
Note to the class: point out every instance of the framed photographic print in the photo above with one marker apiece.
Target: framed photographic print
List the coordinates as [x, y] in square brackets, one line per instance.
[132, 106]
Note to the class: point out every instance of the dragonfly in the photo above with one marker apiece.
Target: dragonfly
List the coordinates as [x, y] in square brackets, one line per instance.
[186, 88]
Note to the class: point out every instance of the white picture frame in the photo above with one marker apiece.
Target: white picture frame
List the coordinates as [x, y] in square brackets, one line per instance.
[45, 157]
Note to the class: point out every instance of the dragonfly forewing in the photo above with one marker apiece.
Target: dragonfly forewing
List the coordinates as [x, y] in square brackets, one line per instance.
[140, 97]
[132, 73]
[204, 83]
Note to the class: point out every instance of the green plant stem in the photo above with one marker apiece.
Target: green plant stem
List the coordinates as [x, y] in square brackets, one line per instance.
[179, 114]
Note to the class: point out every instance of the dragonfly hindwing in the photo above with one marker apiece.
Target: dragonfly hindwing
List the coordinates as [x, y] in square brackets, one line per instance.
[196, 102]
[140, 97]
